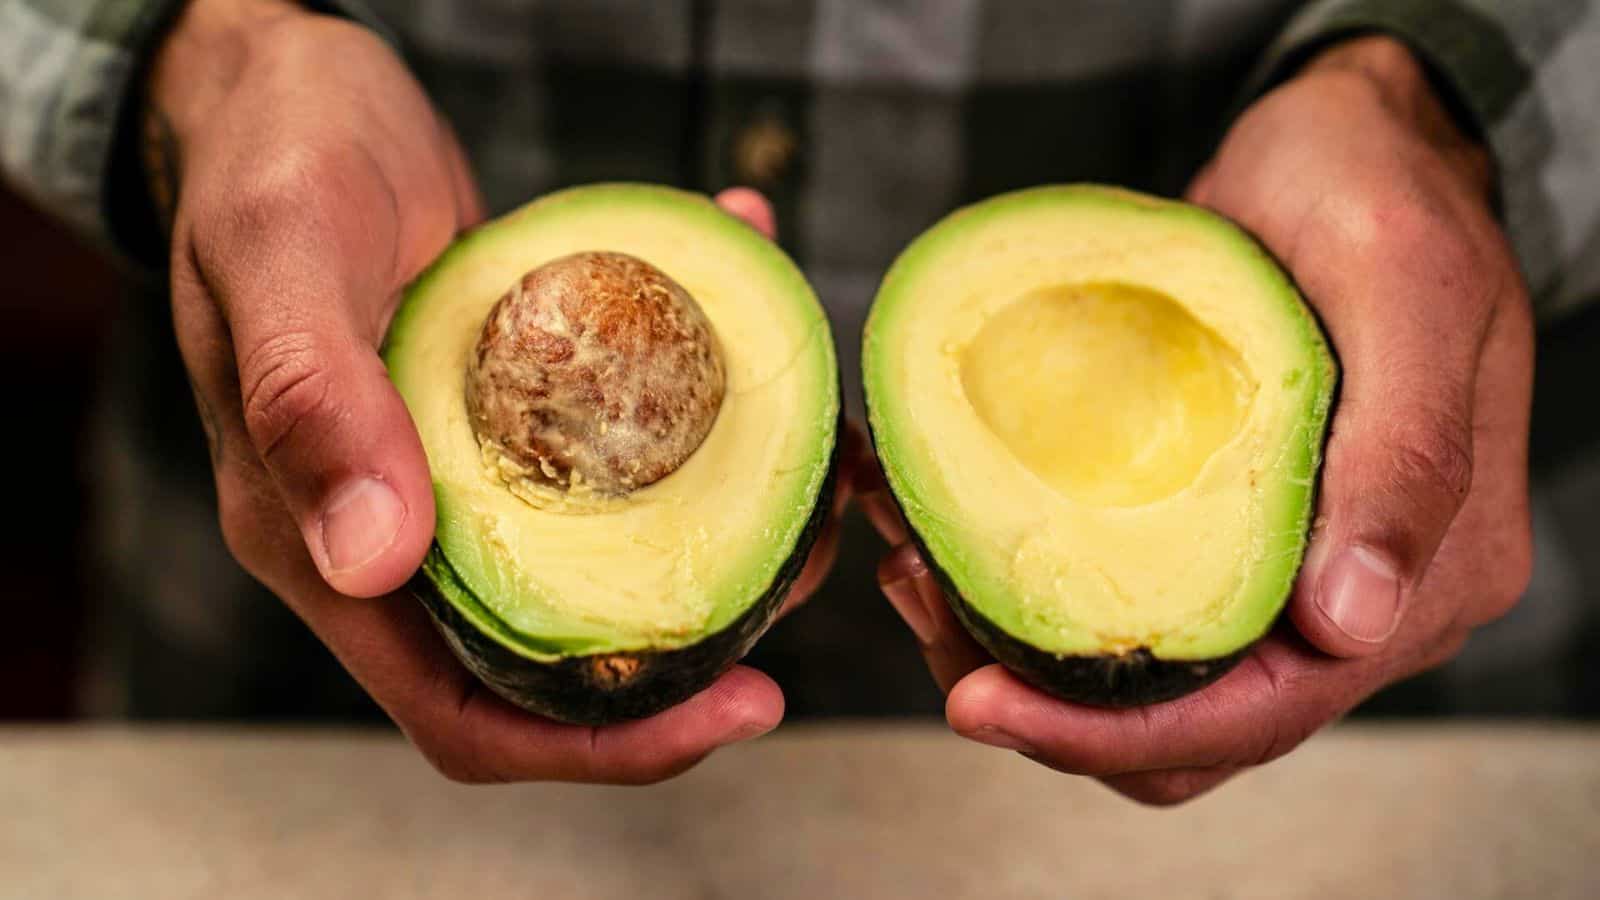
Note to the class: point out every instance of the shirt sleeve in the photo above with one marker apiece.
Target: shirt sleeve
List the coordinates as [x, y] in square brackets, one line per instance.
[69, 71]
[65, 73]
[1521, 73]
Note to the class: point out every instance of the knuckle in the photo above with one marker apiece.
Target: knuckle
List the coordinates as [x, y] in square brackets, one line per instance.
[1513, 572]
[1446, 649]
[1416, 233]
[454, 766]
[453, 771]
[1517, 574]
[1284, 734]
[1385, 226]
[285, 183]
[1161, 789]
[240, 516]
[270, 203]
[237, 521]
[1519, 560]
[1436, 461]
[1288, 722]
[285, 385]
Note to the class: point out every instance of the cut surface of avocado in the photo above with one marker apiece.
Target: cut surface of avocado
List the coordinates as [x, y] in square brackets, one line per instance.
[1102, 414]
[677, 560]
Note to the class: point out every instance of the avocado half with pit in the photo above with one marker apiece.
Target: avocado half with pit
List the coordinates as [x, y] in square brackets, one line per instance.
[629, 402]
[1102, 414]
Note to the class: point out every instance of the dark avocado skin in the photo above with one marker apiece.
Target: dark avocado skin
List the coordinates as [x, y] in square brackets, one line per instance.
[1129, 679]
[1115, 680]
[602, 689]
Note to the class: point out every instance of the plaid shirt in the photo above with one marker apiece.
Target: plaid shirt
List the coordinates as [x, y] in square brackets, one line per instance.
[864, 122]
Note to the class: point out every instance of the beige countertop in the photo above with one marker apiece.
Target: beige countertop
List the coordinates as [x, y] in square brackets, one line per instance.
[813, 812]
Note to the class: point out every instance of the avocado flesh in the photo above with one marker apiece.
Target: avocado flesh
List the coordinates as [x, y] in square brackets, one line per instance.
[664, 567]
[1102, 414]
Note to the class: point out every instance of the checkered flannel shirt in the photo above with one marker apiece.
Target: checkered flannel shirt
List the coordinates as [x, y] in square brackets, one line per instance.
[863, 121]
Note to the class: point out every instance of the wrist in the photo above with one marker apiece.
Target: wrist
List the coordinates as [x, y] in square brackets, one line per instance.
[1400, 81]
[192, 70]
[202, 56]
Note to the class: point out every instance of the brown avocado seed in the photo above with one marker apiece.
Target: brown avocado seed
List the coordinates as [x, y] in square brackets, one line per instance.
[595, 372]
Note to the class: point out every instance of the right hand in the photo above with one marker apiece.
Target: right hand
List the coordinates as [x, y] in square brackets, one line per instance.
[313, 180]
[1355, 175]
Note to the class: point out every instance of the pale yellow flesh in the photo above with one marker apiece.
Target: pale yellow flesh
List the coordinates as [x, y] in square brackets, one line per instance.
[671, 560]
[1110, 393]
[1102, 407]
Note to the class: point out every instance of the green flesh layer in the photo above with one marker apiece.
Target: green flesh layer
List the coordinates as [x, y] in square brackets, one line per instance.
[683, 557]
[1103, 414]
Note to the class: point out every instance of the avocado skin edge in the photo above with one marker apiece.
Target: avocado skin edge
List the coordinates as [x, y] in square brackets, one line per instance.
[1137, 678]
[605, 688]
[1130, 679]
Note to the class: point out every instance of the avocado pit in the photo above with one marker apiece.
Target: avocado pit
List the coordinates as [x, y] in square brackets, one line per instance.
[596, 373]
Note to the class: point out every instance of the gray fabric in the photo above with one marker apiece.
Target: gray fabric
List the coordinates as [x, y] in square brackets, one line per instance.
[56, 111]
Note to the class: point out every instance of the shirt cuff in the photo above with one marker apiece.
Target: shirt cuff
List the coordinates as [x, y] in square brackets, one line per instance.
[70, 116]
[60, 108]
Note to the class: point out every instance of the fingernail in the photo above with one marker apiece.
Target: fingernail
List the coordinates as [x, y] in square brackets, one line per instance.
[1360, 594]
[994, 737]
[904, 597]
[359, 522]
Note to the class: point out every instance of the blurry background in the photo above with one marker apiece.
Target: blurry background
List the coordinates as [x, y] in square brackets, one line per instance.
[63, 299]
[52, 325]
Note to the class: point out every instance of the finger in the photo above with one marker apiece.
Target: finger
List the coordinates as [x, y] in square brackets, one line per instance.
[1400, 454]
[470, 206]
[1169, 787]
[389, 645]
[748, 204]
[916, 595]
[1266, 706]
[879, 505]
[341, 447]
[824, 553]
[314, 397]
[471, 735]
[490, 740]
[1490, 549]
[826, 550]
[1200, 188]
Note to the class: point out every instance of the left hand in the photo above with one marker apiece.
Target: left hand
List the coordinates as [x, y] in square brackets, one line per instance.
[1354, 175]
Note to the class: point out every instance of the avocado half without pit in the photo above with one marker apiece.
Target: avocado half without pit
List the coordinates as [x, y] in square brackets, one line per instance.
[629, 402]
[1103, 415]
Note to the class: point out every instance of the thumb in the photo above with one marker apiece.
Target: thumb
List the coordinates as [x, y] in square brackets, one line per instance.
[1398, 469]
[337, 438]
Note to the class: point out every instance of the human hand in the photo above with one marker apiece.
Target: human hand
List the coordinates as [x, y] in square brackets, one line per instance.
[312, 181]
[1353, 175]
